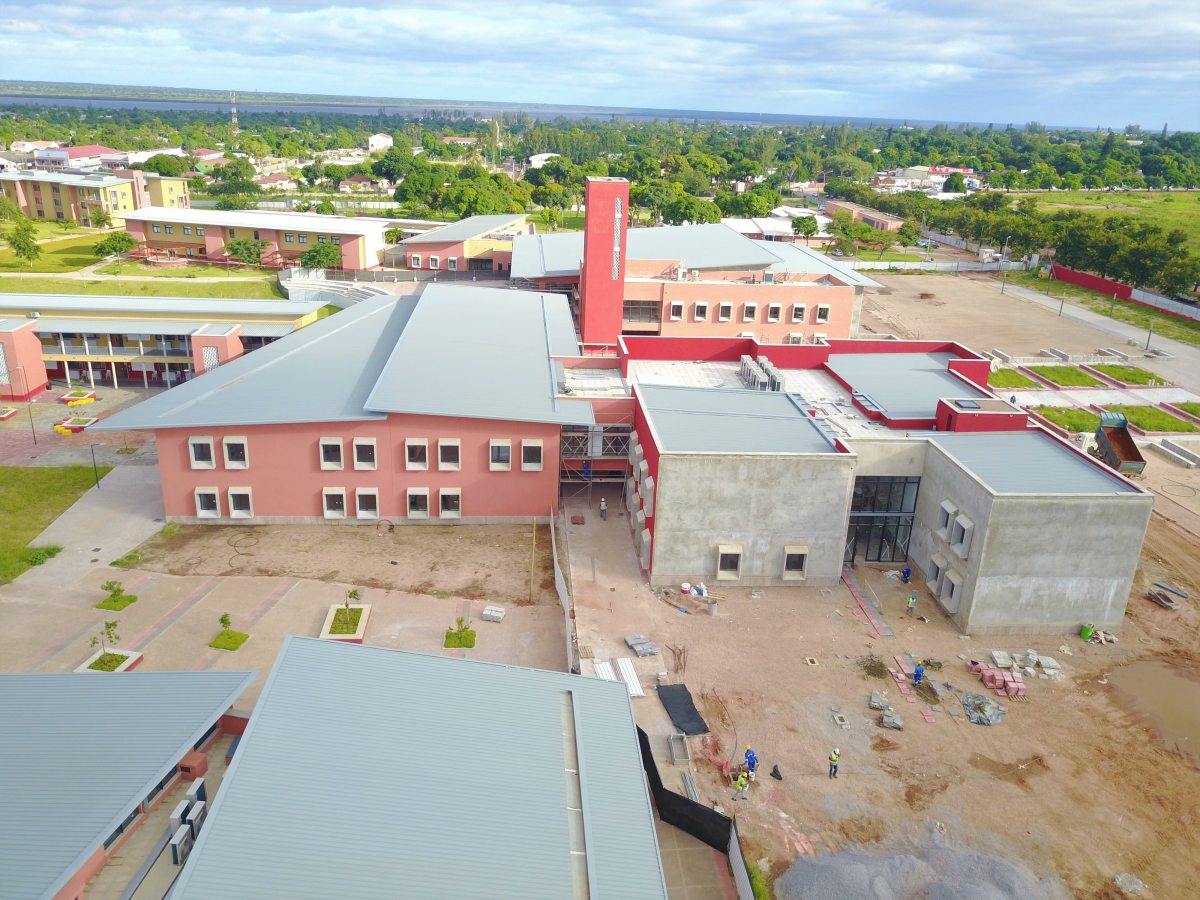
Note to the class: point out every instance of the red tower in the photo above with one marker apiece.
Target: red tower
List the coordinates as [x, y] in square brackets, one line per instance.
[602, 273]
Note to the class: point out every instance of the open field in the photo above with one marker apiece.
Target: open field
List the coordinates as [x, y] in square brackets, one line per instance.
[1169, 209]
[30, 499]
[58, 256]
[191, 270]
[234, 288]
[45, 230]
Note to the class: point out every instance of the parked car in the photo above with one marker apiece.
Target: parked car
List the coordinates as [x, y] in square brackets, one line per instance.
[927, 243]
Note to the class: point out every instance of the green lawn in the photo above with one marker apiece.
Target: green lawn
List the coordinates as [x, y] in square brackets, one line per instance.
[60, 256]
[30, 499]
[1010, 378]
[1193, 408]
[44, 230]
[1071, 419]
[230, 640]
[234, 288]
[1066, 376]
[1151, 418]
[346, 621]
[108, 662]
[1130, 374]
[889, 256]
[1173, 209]
[191, 270]
[117, 602]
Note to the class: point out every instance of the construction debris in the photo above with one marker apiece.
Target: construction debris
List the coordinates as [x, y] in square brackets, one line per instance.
[983, 710]
[679, 655]
[878, 700]
[889, 720]
[493, 614]
[776, 774]
[641, 645]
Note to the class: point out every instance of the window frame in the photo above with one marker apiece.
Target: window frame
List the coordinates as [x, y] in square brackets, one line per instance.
[749, 312]
[216, 495]
[449, 492]
[700, 312]
[724, 312]
[212, 452]
[229, 495]
[235, 439]
[800, 550]
[961, 533]
[411, 444]
[409, 495]
[671, 310]
[493, 445]
[946, 513]
[824, 311]
[365, 442]
[447, 443]
[414, 260]
[324, 442]
[774, 312]
[540, 464]
[328, 492]
[724, 550]
[359, 494]
[435, 262]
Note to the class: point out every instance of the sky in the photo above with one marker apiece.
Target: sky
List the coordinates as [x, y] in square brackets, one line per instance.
[1059, 62]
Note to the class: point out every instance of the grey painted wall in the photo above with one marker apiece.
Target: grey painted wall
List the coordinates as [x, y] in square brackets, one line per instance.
[889, 455]
[761, 501]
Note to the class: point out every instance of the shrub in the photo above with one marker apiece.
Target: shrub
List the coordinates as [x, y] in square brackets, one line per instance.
[462, 636]
[128, 561]
[35, 556]
[117, 598]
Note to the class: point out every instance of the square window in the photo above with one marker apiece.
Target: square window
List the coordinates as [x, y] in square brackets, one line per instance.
[418, 503]
[449, 455]
[795, 562]
[241, 504]
[187, 229]
[822, 314]
[170, 229]
[676, 312]
[200, 450]
[320, 238]
[302, 238]
[450, 503]
[335, 240]
[946, 513]
[435, 262]
[414, 262]
[200, 230]
[157, 229]
[500, 459]
[531, 456]
[799, 311]
[331, 453]
[701, 312]
[724, 312]
[364, 453]
[289, 238]
[729, 562]
[237, 453]
[749, 312]
[452, 264]
[208, 503]
[335, 502]
[366, 502]
[416, 453]
[774, 312]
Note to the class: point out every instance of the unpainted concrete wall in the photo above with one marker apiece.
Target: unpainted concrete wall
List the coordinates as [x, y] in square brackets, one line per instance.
[889, 456]
[763, 502]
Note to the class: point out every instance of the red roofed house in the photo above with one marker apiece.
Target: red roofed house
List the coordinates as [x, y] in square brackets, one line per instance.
[85, 157]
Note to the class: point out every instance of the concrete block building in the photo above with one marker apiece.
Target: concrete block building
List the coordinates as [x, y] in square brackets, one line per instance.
[71, 196]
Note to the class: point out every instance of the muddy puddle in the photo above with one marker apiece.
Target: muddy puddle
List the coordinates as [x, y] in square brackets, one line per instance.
[1166, 696]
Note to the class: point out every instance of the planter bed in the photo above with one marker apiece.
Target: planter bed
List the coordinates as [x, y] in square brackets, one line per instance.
[75, 424]
[1011, 379]
[335, 628]
[71, 396]
[132, 659]
[1189, 412]
[229, 640]
[1069, 418]
[1129, 376]
[7, 412]
[1154, 420]
[1065, 376]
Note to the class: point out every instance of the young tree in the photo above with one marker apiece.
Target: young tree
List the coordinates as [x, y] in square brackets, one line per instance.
[235, 201]
[226, 621]
[954, 184]
[806, 226]
[322, 256]
[116, 243]
[909, 233]
[23, 241]
[107, 635]
[246, 250]
[99, 218]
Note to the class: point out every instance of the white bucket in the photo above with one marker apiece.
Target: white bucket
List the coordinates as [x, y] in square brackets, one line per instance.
[685, 588]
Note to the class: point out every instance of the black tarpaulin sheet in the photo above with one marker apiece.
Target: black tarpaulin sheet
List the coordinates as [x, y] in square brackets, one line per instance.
[678, 701]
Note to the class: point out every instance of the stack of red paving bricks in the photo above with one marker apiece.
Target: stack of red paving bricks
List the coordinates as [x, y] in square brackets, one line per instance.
[1002, 681]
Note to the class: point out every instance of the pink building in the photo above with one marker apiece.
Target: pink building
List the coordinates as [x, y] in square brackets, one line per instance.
[87, 156]
[442, 409]
[474, 244]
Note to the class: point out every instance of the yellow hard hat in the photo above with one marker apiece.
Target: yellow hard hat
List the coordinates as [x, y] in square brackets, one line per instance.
[747, 746]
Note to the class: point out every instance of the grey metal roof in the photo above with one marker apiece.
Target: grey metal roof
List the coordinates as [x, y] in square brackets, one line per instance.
[428, 776]
[322, 373]
[248, 218]
[78, 752]
[482, 353]
[74, 179]
[149, 326]
[465, 229]
[697, 246]
[903, 385]
[1028, 462]
[711, 420]
[143, 306]
[799, 258]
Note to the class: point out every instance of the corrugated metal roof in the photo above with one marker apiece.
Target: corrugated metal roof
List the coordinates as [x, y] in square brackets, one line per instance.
[150, 326]
[711, 420]
[482, 353]
[1028, 462]
[426, 776]
[903, 385]
[798, 258]
[287, 221]
[472, 227]
[118, 304]
[78, 752]
[73, 179]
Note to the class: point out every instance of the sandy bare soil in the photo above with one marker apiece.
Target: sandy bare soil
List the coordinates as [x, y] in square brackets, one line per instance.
[971, 310]
[468, 561]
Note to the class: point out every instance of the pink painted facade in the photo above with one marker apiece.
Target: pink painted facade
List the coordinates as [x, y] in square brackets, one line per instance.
[286, 481]
[224, 340]
[284, 246]
[22, 371]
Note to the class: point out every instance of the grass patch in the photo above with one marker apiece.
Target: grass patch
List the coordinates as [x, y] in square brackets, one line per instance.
[464, 639]
[327, 310]
[229, 639]
[108, 662]
[60, 256]
[1167, 209]
[1130, 374]
[345, 621]
[758, 882]
[230, 289]
[128, 561]
[1150, 418]
[44, 230]
[117, 602]
[169, 530]
[1070, 418]
[1010, 378]
[190, 270]
[30, 499]
[1190, 408]
[1066, 376]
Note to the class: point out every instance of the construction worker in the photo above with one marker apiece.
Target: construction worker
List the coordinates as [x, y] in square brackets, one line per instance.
[919, 672]
[603, 508]
[906, 574]
[912, 603]
[742, 782]
[751, 762]
[834, 758]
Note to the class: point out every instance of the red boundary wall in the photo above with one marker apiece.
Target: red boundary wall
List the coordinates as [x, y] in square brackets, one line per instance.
[1092, 282]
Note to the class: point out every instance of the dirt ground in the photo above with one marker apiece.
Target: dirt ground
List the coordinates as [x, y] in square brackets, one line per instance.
[502, 563]
[966, 308]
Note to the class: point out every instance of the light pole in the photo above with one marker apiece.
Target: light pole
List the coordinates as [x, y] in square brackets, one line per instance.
[1004, 271]
[28, 404]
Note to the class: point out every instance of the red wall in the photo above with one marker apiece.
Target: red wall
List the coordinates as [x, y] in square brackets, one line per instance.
[951, 418]
[23, 359]
[1092, 282]
[975, 371]
[602, 296]
[650, 450]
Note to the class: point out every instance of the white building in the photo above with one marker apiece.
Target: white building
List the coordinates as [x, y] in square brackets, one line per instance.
[378, 142]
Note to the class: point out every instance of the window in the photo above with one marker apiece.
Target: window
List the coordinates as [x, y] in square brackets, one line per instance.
[960, 536]
[237, 453]
[418, 503]
[449, 455]
[157, 229]
[416, 453]
[749, 312]
[232, 232]
[200, 449]
[414, 261]
[170, 229]
[200, 231]
[320, 238]
[331, 453]
[501, 456]
[946, 513]
[289, 238]
[774, 312]
[676, 312]
[729, 562]
[724, 312]
[435, 262]
[531, 456]
[700, 311]
[795, 562]
[937, 568]
[822, 313]
[950, 592]
[452, 263]
[450, 503]
[256, 237]
[334, 502]
[208, 503]
[366, 503]
[187, 229]
[302, 238]
[364, 453]
[241, 504]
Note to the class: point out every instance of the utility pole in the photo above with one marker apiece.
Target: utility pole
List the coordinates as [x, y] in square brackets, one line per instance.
[1003, 270]
[233, 122]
